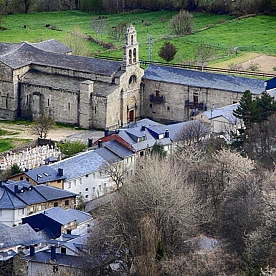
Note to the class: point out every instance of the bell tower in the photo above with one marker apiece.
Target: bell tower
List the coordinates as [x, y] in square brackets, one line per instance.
[131, 53]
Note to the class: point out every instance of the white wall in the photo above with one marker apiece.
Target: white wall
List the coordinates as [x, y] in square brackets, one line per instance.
[12, 217]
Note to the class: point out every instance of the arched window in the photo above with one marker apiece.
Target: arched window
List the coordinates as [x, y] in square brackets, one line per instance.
[134, 55]
[130, 56]
[132, 40]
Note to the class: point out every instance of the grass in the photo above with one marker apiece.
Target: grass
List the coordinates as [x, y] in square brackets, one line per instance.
[9, 143]
[253, 34]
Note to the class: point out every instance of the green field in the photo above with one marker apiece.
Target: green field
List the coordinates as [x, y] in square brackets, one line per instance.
[253, 34]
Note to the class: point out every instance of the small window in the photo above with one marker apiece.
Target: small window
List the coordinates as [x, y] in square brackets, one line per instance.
[69, 185]
[63, 250]
[48, 102]
[100, 188]
[56, 204]
[87, 175]
[58, 181]
[21, 211]
[69, 106]
[67, 202]
[86, 189]
[27, 178]
[86, 196]
[168, 108]
[141, 153]
[39, 208]
[150, 105]
[21, 177]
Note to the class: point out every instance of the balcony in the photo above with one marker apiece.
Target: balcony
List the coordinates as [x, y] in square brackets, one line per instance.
[200, 106]
[157, 99]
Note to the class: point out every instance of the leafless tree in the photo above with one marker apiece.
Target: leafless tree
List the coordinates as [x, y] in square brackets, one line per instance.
[99, 25]
[154, 208]
[147, 24]
[204, 53]
[192, 132]
[118, 32]
[42, 125]
[76, 41]
[182, 23]
[163, 20]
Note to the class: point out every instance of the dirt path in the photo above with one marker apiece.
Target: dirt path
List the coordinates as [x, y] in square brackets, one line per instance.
[21, 131]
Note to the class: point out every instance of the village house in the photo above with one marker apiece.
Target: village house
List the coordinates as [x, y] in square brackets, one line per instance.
[20, 199]
[41, 175]
[221, 120]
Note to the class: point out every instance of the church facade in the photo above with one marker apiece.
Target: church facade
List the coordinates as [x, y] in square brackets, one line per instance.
[44, 78]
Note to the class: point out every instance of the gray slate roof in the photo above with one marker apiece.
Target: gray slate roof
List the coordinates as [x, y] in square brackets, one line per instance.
[82, 164]
[115, 146]
[61, 259]
[15, 195]
[57, 214]
[79, 215]
[19, 235]
[226, 112]
[203, 79]
[22, 54]
[44, 174]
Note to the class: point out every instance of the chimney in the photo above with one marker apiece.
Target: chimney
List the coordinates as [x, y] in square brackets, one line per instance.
[106, 132]
[16, 189]
[60, 172]
[143, 128]
[32, 250]
[167, 134]
[90, 142]
[53, 252]
[100, 143]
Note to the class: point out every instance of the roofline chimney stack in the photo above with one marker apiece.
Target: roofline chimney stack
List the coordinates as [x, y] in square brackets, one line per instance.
[60, 172]
[53, 252]
[100, 143]
[167, 134]
[32, 250]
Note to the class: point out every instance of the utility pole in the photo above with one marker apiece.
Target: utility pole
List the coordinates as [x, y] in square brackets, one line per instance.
[150, 48]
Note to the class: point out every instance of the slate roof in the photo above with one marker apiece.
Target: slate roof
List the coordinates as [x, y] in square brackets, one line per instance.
[20, 235]
[61, 259]
[121, 150]
[226, 112]
[15, 195]
[79, 215]
[203, 79]
[44, 174]
[52, 45]
[57, 214]
[23, 54]
[81, 164]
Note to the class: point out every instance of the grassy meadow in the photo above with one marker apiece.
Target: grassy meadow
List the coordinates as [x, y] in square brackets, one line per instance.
[252, 34]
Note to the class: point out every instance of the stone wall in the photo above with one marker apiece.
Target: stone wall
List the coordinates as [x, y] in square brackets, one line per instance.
[173, 107]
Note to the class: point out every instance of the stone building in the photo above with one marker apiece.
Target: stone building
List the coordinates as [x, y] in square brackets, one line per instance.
[173, 94]
[42, 78]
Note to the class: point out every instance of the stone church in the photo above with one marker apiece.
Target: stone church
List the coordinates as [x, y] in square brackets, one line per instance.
[44, 78]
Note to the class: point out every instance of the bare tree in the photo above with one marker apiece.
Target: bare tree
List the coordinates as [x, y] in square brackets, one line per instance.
[204, 53]
[42, 125]
[118, 32]
[76, 41]
[99, 25]
[152, 210]
[182, 23]
[191, 132]
[167, 51]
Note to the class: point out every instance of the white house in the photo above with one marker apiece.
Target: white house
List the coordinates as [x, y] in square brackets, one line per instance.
[88, 173]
